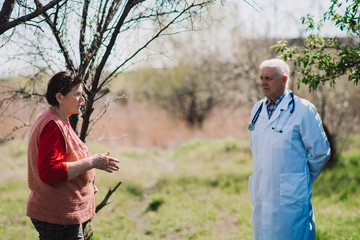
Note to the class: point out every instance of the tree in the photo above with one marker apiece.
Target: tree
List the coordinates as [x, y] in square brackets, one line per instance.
[188, 91]
[104, 42]
[326, 59]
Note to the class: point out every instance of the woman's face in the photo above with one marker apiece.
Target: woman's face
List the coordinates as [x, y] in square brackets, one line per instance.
[71, 102]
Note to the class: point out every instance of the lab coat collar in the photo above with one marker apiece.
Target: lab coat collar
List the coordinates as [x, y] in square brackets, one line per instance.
[284, 105]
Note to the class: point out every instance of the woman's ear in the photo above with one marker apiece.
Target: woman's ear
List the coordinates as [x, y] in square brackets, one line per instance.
[59, 97]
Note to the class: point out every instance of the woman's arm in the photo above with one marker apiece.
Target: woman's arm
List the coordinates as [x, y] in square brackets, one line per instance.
[98, 161]
[51, 155]
[51, 158]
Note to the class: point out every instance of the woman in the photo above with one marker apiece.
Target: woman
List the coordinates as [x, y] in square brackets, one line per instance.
[61, 169]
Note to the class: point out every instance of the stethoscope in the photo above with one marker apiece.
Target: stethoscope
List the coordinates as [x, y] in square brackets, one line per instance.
[251, 125]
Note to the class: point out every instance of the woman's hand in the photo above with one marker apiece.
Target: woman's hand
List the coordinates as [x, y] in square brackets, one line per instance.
[99, 161]
[105, 162]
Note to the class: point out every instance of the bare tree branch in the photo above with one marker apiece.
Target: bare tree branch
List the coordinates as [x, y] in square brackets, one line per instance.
[111, 44]
[102, 24]
[7, 10]
[83, 30]
[57, 35]
[105, 202]
[95, 81]
[113, 73]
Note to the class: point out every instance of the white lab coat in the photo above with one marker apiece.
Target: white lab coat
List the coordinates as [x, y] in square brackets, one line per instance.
[285, 165]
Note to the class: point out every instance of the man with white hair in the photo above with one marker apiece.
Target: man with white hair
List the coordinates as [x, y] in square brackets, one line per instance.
[289, 149]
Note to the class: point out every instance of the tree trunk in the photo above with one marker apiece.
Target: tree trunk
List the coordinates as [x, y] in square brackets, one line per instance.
[333, 158]
[86, 118]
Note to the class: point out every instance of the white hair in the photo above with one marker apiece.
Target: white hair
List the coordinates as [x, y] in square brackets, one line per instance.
[282, 67]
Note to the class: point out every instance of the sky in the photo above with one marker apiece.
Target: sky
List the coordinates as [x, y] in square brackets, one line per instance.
[280, 18]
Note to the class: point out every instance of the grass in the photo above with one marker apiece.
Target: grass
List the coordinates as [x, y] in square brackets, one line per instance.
[336, 196]
[197, 191]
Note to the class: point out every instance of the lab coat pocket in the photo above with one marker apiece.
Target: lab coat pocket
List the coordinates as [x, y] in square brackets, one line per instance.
[283, 139]
[293, 189]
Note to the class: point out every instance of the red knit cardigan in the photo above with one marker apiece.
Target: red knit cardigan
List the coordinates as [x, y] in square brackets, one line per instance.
[70, 202]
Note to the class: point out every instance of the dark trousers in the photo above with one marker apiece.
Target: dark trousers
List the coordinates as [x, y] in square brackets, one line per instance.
[50, 231]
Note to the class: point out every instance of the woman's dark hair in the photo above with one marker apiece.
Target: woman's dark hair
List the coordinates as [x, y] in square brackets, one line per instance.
[61, 82]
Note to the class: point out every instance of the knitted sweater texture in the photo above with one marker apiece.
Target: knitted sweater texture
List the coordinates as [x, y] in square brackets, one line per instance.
[66, 203]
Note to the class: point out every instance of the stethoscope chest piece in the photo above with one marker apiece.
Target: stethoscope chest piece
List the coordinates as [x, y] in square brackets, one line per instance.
[251, 125]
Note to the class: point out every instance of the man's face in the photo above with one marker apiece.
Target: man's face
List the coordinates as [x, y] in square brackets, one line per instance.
[272, 83]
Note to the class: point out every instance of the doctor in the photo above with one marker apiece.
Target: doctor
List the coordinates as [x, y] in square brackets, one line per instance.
[289, 149]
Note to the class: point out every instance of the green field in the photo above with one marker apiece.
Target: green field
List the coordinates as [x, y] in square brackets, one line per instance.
[197, 191]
